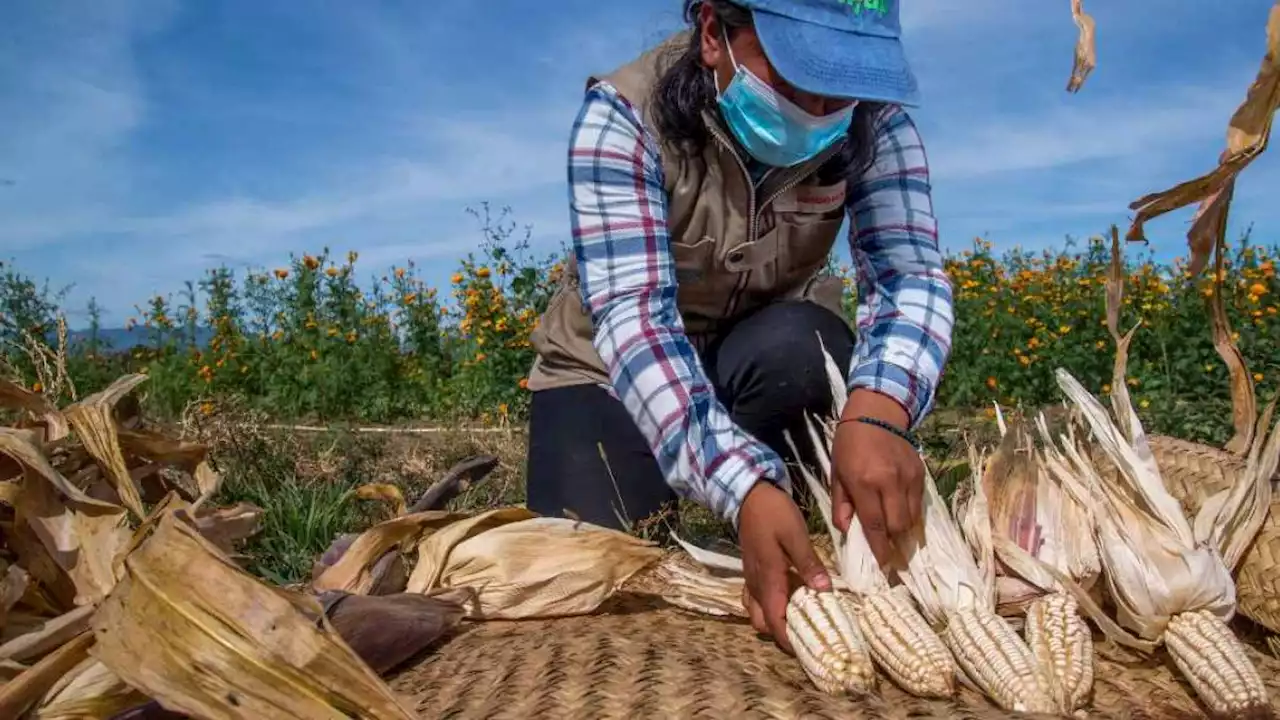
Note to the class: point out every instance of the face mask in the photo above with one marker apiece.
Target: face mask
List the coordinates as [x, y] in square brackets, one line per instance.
[772, 128]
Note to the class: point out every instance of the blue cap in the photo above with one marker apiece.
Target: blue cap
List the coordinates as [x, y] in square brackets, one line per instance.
[838, 48]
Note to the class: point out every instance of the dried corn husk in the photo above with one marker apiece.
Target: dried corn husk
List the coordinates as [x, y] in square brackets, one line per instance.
[90, 690]
[189, 628]
[1247, 136]
[19, 694]
[1086, 56]
[1032, 510]
[16, 397]
[79, 535]
[92, 420]
[520, 565]
[1170, 578]
[356, 569]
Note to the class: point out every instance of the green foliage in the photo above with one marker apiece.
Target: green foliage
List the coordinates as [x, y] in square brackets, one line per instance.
[308, 341]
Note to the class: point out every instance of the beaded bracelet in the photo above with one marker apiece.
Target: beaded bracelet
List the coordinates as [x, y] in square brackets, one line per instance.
[904, 434]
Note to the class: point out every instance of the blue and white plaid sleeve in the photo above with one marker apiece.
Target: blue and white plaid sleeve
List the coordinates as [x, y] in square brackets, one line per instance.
[620, 240]
[904, 313]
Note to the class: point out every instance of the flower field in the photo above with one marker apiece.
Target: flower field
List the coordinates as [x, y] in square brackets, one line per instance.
[323, 338]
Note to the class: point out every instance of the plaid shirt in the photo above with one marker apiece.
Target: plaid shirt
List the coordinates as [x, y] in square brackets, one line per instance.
[628, 280]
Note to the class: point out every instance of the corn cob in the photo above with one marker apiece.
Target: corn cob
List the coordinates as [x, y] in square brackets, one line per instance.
[1213, 660]
[1171, 578]
[1061, 643]
[899, 640]
[959, 593]
[828, 642]
[1036, 526]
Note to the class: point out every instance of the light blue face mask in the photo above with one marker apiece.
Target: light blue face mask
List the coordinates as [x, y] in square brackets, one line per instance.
[772, 128]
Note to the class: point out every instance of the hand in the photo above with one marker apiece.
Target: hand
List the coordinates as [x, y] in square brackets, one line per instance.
[774, 538]
[876, 473]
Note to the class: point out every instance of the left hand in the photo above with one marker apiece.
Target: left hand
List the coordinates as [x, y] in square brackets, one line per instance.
[876, 474]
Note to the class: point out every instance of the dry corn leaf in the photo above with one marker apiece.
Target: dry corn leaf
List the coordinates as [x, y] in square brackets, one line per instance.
[53, 592]
[81, 535]
[384, 492]
[10, 670]
[157, 448]
[1247, 136]
[1086, 55]
[532, 568]
[1244, 404]
[19, 694]
[89, 692]
[353, 572]
[208, 482]
[434, 548]
[190, 629]
[15, 397]
[12, 587]
[224, 527]
[47, 636]
[95, 425]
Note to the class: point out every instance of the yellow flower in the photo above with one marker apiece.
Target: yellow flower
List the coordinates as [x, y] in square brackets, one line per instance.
[456, 279]
[1257, 289]
[351, 257]
[482, 272]
[331, 271]
[310, 262]
[1257, 377]
[991, 383]
[281, 273]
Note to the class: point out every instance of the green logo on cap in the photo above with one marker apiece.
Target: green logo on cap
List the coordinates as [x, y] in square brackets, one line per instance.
[860, 6]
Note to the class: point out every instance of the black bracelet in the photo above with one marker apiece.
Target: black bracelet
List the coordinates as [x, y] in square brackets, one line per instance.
[904, 434]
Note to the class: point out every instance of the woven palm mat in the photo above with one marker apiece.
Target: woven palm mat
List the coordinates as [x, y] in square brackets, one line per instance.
[639, 659]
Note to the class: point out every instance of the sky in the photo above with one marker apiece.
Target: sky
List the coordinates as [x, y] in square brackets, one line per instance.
[143, 142]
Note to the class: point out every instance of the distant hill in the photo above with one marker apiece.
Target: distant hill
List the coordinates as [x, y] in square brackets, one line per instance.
[122, 338]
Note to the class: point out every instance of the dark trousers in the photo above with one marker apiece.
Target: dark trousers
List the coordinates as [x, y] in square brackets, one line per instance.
[768, 372]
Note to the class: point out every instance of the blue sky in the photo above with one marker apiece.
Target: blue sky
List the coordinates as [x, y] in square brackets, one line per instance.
[143, 141]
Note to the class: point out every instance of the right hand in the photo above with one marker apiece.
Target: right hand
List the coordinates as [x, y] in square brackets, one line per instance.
[774, 541]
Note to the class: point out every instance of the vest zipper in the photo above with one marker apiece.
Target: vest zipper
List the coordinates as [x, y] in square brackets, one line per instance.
[746, 175]
[816, 163]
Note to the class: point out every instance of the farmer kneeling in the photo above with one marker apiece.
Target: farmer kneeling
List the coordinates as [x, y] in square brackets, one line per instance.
[709, 179]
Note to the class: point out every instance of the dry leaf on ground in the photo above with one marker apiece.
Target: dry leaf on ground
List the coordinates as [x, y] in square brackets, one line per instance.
[353, 572]
[526, 567]
[189, 628]
[81, 535]
[95, 426]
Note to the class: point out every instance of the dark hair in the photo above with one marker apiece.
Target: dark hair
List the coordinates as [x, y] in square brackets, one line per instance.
[686, 88]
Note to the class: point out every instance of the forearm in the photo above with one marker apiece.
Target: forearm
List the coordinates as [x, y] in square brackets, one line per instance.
[905, 312]
[627, 278]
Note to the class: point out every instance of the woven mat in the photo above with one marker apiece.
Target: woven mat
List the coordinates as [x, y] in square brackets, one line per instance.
[644, 660]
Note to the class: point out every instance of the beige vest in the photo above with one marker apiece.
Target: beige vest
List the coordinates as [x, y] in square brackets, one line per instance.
[736, 247]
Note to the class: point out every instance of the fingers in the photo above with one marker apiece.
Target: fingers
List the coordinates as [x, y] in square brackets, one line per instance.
[915, 494]
[773, 597]
[841, 508]
[803, 558]
[867, 503]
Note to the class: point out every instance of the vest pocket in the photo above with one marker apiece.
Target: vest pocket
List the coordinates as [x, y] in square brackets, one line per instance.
[693, 260]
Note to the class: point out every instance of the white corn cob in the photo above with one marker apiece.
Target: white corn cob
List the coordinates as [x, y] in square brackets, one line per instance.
[997, 660]
[899, 640]
[1062, 646]
[824, 633]
[1213, 660]
[904, 646]
[955, 586]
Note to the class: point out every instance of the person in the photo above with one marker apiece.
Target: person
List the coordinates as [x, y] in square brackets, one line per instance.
[709, 179]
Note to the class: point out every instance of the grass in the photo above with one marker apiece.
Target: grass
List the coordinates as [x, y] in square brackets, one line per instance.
[309, 342]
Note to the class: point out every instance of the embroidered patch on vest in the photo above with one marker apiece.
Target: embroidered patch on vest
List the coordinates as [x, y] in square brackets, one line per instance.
[812, 199]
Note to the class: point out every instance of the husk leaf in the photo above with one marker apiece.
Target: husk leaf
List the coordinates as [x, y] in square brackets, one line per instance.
[190, 629]
[530, 567]
[1247, 135]
[16, 397]
[1154, 568]
[48, 636]
[92, 420]
[1085, 57]
[89, 692]
[353, 572]
[81, 535]
[19, 694]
